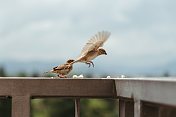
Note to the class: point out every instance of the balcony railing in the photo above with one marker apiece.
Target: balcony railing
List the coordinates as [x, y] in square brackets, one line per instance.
[138, 97]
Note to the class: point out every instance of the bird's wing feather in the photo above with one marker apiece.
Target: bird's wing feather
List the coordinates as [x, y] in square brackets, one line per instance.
[61, 67]
[95, 42]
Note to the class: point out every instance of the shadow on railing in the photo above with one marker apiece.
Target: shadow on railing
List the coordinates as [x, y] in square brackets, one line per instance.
[138, 97]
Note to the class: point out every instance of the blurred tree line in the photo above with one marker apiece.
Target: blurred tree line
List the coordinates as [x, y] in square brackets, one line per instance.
[59, 107]
[2, 72]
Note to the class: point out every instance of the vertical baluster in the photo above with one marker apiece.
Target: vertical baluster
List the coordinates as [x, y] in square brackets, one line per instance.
[122, 108]
[20, 106]
[137, 108]
[77, 107]
[126, 108]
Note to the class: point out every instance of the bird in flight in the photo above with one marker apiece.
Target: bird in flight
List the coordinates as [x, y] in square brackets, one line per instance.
[92, 48]
[63, 69]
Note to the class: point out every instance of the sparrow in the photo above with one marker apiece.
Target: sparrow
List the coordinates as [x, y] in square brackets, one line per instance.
[63, 69]
[91, 50]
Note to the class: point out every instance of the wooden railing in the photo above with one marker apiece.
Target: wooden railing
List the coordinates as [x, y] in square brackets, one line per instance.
[138, 97]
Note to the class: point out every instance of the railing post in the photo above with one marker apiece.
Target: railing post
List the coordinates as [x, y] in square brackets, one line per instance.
[21, 106]
[121, 108]
[137, 108]
[126, 108]
[77, 107]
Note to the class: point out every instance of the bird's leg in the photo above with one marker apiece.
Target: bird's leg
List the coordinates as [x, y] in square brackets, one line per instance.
[88, 63]
[65, 77]
[62, 76]
[92, 63]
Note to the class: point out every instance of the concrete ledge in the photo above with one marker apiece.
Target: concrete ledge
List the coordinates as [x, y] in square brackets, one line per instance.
[157, 90]
[47, 87]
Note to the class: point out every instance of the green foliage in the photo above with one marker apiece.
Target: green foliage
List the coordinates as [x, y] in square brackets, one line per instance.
[166, 74]
[22, 74]
[35, 74]
[99, 108]
[2, 72]
[88, 75]
[5, 107]
[52, 107]
[56, 107]
[49, 75]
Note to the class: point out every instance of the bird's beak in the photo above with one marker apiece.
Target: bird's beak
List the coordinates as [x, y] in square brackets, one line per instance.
[106, 54]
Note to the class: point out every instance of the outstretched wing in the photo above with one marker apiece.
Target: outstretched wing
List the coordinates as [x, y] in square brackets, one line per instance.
[95, 42]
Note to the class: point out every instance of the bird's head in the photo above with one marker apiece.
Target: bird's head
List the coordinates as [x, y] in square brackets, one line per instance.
[70, 61]
[102, 52]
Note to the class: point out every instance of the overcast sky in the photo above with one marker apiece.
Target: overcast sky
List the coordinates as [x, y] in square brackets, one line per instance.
[143, 32]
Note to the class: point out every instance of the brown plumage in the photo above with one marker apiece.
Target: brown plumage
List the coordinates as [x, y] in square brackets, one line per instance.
[63, 69]
[91, 50]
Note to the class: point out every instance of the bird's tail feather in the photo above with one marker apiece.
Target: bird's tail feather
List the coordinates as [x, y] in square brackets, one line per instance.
[48, 72]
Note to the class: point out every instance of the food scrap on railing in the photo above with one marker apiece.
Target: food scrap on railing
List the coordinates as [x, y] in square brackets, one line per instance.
[123, 76]
[74, 76]
[80, 76]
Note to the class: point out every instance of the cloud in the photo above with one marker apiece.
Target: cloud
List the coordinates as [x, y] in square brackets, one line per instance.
[143, 32]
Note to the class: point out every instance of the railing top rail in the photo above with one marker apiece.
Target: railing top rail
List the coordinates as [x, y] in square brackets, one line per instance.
[159, 90]
[49, 87]
[133, 78]
[154, 79]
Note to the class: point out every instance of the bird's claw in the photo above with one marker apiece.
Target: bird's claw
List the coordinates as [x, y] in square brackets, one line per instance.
[92, 64]
[89, 63]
